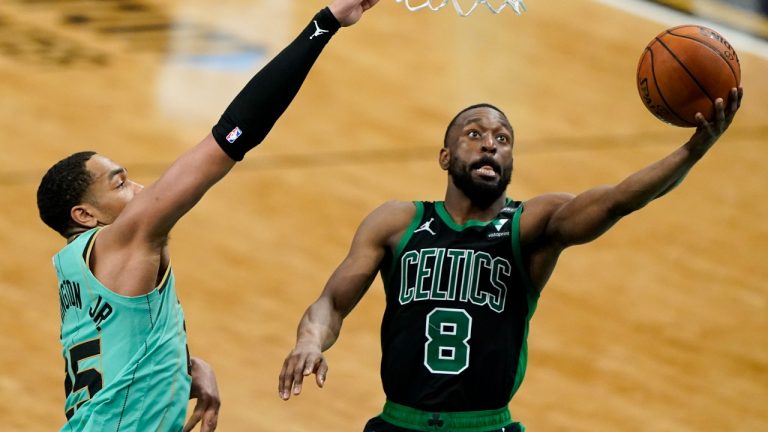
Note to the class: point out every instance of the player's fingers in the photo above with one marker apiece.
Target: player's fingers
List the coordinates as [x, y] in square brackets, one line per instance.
[369, 4]
[210, 418]
[322, 372]
[703, 123]
[211, 414]
[298, 375]
[286, 377]
[719, 113]
[194, 419]
[281, 378]
[312, 363]
[733, 99]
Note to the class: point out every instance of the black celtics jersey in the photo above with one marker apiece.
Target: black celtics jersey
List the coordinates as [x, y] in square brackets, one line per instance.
[458, 305]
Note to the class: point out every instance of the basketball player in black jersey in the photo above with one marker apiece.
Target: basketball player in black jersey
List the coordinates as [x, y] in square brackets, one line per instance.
[463, 276]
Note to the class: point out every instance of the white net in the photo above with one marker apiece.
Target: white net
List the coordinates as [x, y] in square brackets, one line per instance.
[516, 5]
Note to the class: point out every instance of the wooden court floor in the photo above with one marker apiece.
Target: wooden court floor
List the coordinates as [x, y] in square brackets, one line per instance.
[660, 325]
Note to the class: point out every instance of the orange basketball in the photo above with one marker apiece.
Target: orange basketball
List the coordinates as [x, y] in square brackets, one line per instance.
[683, 70]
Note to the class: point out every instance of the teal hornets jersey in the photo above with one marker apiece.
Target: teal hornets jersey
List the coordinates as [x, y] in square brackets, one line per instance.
[459, 302]
[126, 358]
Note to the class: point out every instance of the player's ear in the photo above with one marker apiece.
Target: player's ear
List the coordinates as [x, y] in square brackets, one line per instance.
[84, 215]
[444, 158]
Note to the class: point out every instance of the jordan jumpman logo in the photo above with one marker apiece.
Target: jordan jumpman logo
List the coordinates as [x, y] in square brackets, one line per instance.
[319, 31]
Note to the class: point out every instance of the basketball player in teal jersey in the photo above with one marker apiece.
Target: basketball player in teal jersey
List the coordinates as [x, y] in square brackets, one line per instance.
[463, 276]
[122, 326]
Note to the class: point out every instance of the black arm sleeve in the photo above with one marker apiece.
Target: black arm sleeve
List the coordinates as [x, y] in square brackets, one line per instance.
[254, 111]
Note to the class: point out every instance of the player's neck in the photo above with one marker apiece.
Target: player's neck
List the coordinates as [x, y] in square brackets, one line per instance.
[462, 209]
[74, 233]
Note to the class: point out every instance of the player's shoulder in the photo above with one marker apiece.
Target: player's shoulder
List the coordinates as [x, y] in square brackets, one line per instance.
[538, 211]
[546, 203]
[394, 210]
[391, 216]
[398, 206]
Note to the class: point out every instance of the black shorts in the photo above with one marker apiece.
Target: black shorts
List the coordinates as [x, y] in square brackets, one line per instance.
[376, 424]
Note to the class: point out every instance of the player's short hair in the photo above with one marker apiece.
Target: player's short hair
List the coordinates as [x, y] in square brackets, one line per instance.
[456, 118]
[61, 188]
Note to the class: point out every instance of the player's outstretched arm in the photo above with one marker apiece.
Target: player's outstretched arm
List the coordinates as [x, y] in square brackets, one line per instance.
[246, 121]
[249, 118]
[590, 214]
[320, 326]
[553, 222]
[143, 227]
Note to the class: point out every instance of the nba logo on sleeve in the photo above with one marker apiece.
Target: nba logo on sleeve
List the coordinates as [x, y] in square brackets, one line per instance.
[235, 134]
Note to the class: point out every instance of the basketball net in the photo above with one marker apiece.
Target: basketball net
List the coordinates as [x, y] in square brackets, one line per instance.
[517, 5]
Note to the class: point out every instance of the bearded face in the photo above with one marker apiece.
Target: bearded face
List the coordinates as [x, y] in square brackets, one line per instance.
[475, 180]
[477, 153]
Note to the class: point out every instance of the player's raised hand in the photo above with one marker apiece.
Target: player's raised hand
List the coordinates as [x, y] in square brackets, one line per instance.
[304, 360]
[348, 12]
[707, 133]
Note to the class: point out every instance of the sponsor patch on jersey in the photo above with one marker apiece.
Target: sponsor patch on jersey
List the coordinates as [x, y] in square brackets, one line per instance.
[498, 234]
[234, 135]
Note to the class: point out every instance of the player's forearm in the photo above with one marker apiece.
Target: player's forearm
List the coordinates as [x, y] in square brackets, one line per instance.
[251, 115]
[592, 213]
[320, 326]
[654, 180]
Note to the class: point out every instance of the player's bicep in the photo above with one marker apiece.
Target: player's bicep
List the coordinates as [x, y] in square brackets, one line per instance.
[582, 218]
[369, 246]
[154, 211]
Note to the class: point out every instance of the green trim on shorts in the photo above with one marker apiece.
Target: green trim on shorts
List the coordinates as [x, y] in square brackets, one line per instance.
[467, 421]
